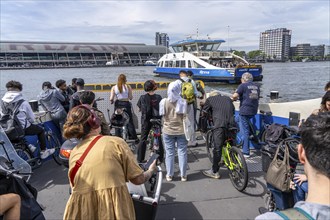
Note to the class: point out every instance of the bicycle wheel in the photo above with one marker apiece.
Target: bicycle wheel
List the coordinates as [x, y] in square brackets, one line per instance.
[53, 142]
[238, 172]
[209, 145]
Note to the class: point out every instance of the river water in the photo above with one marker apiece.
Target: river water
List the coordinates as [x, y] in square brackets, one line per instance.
[294, 81]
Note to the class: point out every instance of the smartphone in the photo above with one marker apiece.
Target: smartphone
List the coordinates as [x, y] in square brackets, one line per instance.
[150, 161]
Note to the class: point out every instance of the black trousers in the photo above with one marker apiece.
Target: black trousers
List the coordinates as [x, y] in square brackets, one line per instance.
[146, 126]
[130, 126]
[37, 130]
[218, 139]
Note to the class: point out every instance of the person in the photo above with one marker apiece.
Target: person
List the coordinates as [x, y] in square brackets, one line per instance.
[74, 100]
[50, 99]
[327, 86]
[149, 107]
[325, 104]
[88, 98]
[66, 92]
[248, 94]
[190, 107]
[99, 188]
[222, 111]
[73, 85]
[25, 116]
[300, 187]
[123, 94]
[173, 110]
[314, 154]
[10, 206]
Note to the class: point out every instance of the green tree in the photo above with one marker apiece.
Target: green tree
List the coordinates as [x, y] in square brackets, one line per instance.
[254, 54]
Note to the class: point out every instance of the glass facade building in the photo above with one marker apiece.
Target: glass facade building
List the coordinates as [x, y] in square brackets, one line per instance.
[275, 43]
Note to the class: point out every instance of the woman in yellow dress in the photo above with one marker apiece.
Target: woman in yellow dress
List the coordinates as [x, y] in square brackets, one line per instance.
[99, 188]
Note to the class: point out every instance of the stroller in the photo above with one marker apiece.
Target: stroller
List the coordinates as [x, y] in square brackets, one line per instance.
[276, 199]
[14, 172]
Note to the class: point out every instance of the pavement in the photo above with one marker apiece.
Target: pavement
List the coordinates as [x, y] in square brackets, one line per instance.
[198, 198]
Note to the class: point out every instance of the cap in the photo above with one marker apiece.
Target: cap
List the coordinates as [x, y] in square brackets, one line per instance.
[80, 82]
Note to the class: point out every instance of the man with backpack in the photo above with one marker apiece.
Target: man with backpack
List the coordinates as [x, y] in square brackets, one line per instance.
[13, 102]
[314, 154]
[189, 93]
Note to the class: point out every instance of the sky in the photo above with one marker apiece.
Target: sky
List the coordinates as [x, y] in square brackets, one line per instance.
[239, 23]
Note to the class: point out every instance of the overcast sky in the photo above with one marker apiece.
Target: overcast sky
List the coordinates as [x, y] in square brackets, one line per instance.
[137, 21]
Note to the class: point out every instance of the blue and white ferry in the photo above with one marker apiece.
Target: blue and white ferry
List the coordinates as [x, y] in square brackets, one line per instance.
[203, 58]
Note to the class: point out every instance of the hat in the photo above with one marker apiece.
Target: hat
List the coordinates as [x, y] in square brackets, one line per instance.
[80, 82]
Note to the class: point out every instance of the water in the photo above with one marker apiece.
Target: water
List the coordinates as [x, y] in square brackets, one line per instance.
[294, 81]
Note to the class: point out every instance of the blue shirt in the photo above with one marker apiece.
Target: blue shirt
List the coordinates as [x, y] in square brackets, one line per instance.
[249, 94]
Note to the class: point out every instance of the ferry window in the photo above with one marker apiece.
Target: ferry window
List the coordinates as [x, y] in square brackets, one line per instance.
[215, 46]
[170, 64]
[189, 63]
[209, 47]
[183, 63]
[193, 48]
[177, 63]
[196, 65]
[167, 63]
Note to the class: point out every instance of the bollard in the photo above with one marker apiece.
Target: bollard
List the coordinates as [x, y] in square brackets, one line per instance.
[274, 95]
[34, 105]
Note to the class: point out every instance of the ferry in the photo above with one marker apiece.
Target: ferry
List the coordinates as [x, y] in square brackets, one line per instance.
[207, 63]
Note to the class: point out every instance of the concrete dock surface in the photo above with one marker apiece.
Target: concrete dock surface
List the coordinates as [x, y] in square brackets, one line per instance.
[200, 197]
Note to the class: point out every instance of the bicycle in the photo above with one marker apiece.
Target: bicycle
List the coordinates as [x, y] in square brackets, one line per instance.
[154, 140]
[120, 123]
[52, 141]
[232, 157]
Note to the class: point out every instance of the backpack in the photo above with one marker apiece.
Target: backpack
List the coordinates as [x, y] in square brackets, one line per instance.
[9, 121]
[187, 91]
[274, 133]
[294, 213]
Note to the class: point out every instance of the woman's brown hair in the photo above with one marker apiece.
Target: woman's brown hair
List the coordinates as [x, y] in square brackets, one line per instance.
[76, 125]
[121, 82]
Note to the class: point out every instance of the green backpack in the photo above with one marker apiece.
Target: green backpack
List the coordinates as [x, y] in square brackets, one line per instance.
[187, 91]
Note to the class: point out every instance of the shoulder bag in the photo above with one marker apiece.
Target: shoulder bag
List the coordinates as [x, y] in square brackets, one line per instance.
[279, 174]
[81, 159]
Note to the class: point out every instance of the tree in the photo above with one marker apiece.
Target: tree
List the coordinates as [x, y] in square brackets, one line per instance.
[254, 54]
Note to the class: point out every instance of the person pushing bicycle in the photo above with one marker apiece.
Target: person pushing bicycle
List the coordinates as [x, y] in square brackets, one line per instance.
[149, 106]
[222, 110]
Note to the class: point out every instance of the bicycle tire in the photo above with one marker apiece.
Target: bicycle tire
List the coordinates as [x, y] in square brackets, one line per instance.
[26, 155]
[209, 145]
[238, 175]
[53, 142]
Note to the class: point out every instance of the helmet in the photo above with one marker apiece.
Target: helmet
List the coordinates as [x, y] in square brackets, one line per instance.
[150, 85]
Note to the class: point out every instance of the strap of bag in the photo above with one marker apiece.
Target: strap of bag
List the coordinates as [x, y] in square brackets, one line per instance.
[294, 213]
[81, 159]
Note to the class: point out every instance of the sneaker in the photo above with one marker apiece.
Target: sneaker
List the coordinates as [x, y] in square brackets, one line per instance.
[46, 153]
[32, 148]
[210, 173]
[168, 178]
[184, 178]
[246, 156]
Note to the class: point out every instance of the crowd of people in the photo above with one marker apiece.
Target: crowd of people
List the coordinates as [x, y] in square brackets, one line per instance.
[100, 185]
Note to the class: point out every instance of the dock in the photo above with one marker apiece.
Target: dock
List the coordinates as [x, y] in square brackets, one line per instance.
[198, 198]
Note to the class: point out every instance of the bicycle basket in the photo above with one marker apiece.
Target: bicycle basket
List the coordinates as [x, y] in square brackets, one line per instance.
[119, 119]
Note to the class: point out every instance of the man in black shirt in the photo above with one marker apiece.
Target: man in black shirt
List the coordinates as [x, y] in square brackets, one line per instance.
[222, 110]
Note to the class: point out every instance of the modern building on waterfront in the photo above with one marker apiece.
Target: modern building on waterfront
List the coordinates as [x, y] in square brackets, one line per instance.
[307, 50]
[275, 43]
[162, 39]
[63, 54]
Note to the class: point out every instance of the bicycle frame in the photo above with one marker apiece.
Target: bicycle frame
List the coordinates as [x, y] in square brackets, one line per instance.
[226, 158]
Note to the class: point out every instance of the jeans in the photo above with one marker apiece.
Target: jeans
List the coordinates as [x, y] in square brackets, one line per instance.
[180, 141]
[218, 139]
[283, 200]
[245, 132]
[299, 194]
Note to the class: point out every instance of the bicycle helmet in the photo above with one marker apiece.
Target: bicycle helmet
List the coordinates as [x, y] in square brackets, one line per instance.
[150, 85]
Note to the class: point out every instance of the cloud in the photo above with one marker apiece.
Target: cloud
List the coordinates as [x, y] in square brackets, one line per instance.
[137, 21]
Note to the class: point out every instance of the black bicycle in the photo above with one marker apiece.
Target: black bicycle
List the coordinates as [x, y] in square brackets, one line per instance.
[52, 142]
